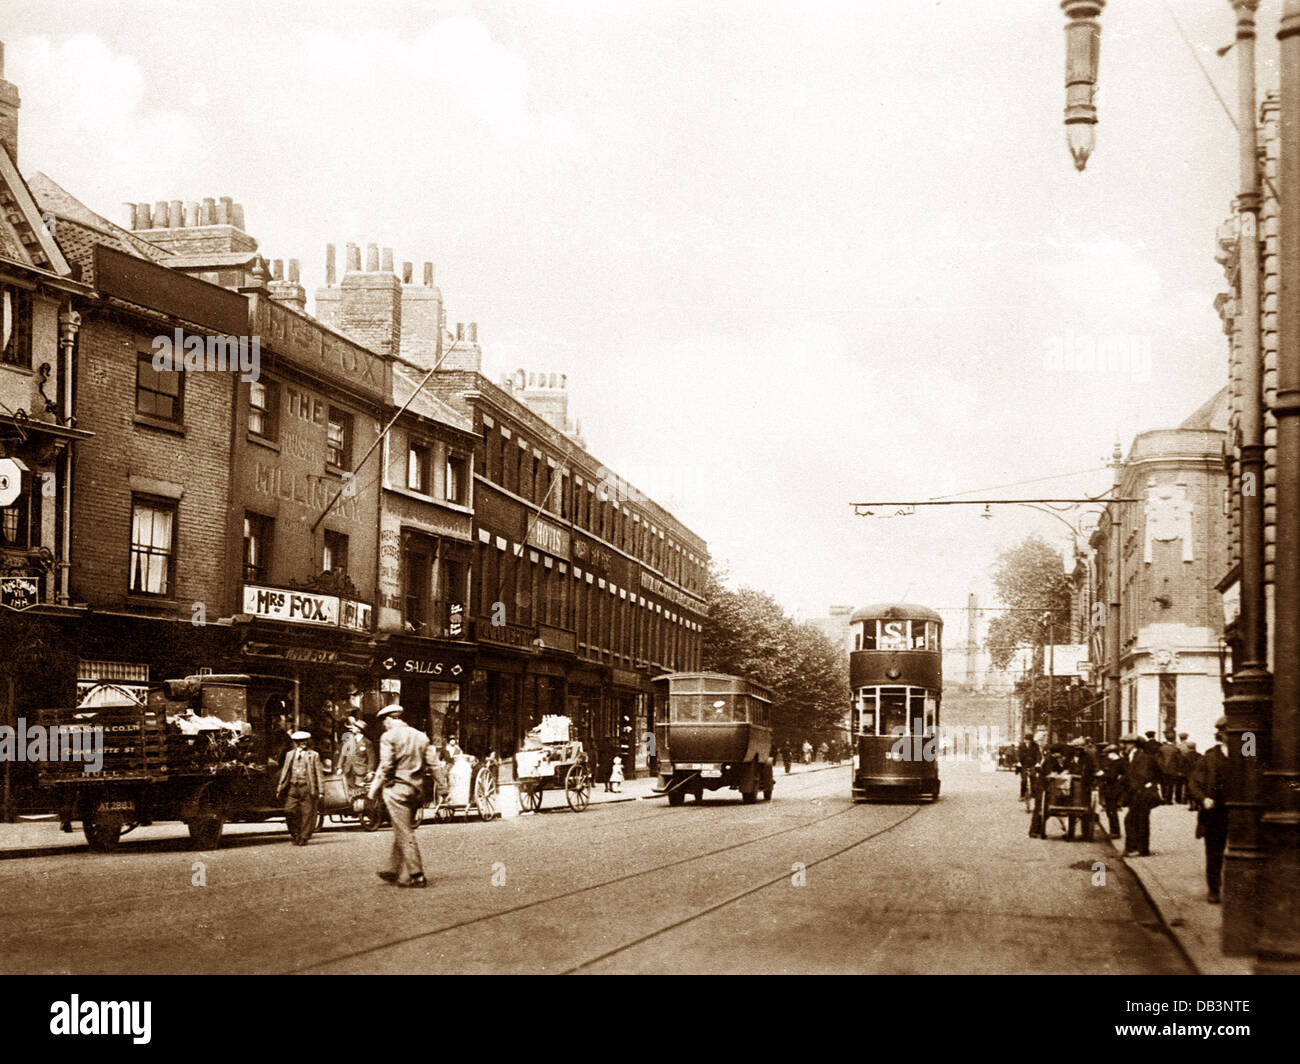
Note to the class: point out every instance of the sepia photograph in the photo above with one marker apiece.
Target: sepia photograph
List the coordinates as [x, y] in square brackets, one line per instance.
[559, 487]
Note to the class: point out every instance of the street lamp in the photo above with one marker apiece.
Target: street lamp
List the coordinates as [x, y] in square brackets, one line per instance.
[1082, 52]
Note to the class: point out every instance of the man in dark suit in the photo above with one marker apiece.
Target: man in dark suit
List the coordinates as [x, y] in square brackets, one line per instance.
[1209, 789]
[1113, 777]
[1143, 796]
[1027, 755]
[301, 785]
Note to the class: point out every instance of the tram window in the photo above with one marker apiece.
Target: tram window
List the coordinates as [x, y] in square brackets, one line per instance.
[893, 711]
[867, 635]
[922, 635]
[931, 713]
[867, 711]
[916, 711]
[857, 639]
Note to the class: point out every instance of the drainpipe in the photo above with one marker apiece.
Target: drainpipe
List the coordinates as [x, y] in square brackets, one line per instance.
[69, 324]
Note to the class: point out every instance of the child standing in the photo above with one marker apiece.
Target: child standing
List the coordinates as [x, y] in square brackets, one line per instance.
[616, 776]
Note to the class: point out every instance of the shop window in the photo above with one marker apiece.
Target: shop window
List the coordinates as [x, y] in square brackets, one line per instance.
[257, 547]
[418, 467]
[338, 439]
[263, 409]
[335, 555]
[153, 546]
[17, 306]
[159, 393]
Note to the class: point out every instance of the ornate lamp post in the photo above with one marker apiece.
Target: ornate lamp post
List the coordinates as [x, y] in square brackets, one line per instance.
[1082, 52]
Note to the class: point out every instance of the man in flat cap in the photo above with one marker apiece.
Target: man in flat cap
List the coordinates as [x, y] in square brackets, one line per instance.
[400, 776]
[301, 785]
[1143, 796]
[1209, 786]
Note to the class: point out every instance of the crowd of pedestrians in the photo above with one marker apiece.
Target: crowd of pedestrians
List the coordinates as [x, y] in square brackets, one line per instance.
[1137, 775]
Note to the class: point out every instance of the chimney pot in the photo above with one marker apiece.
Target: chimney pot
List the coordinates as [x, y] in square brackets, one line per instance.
[191, 215]
[329, 264]
[473, 332]
[142, 217]
[372, 258]
[428, 275]
[175, 214]
[223, 210]
[354, 258]
[460, 330]
[407, 270]
[237, 216]
[293, 271]
[388, 260]
[277, 269]
[130, 214]
[160, 214]
[208, 211]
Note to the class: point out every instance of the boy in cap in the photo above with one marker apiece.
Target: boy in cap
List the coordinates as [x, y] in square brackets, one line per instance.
[402, 753]
[301, 785]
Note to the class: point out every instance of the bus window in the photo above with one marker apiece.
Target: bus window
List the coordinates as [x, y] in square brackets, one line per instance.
[686, 707]
[893, 635]
[893, 711]
[716, 709]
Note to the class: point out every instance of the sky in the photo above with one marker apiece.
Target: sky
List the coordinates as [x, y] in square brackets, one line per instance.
[791, 256]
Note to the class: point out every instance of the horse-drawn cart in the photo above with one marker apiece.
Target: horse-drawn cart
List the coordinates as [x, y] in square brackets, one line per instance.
[552, 758]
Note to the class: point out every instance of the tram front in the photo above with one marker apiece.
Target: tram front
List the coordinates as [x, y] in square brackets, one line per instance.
[896, 676]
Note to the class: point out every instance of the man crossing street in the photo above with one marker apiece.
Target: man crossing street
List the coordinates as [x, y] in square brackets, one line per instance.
[301, 785]
[402, 753]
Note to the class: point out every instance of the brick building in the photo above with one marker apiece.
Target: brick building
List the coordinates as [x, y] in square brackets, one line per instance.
[582, 589]
[1170, 618]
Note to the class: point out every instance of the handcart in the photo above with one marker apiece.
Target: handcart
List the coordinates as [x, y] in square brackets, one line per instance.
[552, 758]
[341, 804]
[471, 785]
[1068, 798]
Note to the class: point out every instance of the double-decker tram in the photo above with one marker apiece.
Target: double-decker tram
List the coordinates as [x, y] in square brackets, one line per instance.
[896, 677]
[718, 734]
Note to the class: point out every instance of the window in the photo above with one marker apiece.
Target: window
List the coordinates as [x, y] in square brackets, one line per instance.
[339, 439]
[153, 546]
[457, 486]
[417, 468]
[264, 409]
[336, 552]
[257, 548]
[158, 392]
[17, 306]
[1168, 702]
[20, 521]
[417, 582]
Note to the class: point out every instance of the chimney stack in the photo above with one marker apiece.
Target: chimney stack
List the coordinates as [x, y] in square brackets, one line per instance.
[277, 269]
[372, 258]
[354, 258]
[130, 215]
[293, 271]
[10, 101]
[191, 215]
[208, 211]
[142, 216]
[160, 214]
[407, 270]
[460, 331]
[473, 332]
[175, 215]
[329, 264]
[237, 217]
[388, 260]
[224, 210]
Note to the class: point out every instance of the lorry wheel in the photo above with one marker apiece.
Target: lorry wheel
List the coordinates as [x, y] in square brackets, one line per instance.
[205, 831]
[676, 797]
[749, 797]
[103, 831]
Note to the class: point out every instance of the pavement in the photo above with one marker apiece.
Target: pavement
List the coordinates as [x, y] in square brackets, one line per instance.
[1173, 879]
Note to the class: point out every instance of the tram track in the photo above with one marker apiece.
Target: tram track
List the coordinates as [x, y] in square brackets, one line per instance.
[615, 881]
[89, 913]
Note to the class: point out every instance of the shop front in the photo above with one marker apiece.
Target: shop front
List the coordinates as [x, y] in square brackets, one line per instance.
[430, 678]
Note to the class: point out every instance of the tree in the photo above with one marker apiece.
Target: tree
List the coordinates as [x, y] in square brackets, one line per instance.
[748, 634]
[1032, 584]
